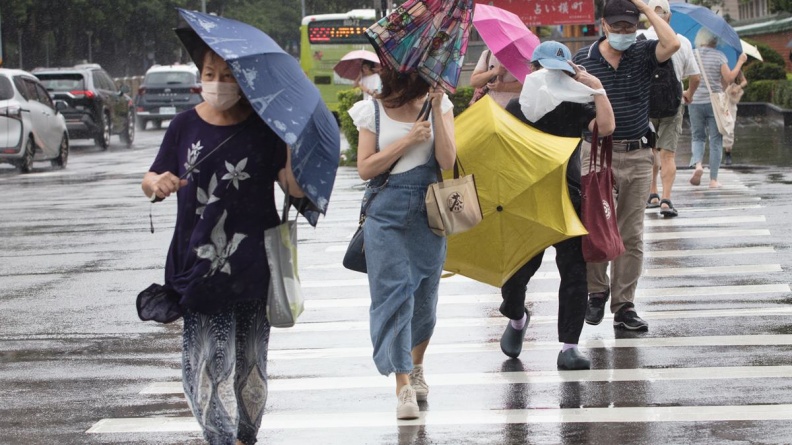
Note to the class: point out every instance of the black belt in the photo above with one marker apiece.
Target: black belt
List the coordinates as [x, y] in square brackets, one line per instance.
[629, 145]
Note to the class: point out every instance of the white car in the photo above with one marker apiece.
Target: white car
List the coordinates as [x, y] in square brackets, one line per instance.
[31, 125]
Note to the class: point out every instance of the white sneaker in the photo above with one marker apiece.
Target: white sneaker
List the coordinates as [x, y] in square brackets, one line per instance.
[407, 407]
[418, 383]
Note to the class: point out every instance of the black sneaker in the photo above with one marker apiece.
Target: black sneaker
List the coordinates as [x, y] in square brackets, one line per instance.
[627, 318]
[595, 309]
[512, 340]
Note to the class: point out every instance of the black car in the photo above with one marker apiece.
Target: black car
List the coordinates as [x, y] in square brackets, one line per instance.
[96, 108]
[166, 91]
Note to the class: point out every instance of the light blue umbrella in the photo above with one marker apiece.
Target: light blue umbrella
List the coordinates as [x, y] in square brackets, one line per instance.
[282, 96]
[687, 19]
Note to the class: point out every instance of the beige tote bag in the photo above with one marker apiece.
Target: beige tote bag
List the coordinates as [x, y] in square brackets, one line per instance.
[452, 206]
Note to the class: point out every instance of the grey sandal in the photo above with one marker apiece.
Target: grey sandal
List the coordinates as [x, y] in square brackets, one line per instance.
[669, 212]
[653, 205]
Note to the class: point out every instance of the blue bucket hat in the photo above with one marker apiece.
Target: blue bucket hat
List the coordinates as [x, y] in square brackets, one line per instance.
[553, 56]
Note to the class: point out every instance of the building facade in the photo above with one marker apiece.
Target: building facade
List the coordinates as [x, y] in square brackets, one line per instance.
[737, 10]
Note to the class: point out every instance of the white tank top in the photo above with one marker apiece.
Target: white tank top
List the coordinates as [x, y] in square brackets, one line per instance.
[362, 114]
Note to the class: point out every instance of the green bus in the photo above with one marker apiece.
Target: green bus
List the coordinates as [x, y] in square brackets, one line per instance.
[324, 39]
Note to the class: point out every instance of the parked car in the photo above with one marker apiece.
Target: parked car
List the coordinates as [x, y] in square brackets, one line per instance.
[31, 125]
[96, 108]
[166, 91]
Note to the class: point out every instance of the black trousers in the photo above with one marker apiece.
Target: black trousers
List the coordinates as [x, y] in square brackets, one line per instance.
[572, 292]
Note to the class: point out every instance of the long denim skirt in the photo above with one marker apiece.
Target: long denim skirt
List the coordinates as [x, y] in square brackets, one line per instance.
[404, 260]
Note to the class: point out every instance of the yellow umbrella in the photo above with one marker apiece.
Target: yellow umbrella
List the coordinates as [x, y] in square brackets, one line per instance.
[521, 180]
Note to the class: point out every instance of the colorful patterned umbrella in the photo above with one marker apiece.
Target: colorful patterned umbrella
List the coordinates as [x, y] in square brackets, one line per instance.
[429, 37]
[282, 96]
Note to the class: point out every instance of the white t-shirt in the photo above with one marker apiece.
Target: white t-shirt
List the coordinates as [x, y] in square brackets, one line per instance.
[371, 82]
[684, 60]
[501, 97]
[362, 114]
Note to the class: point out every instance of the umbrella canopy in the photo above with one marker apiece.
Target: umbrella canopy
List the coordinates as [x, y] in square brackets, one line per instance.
[505, 34]
[429, 37]
[349, 65]
[521, 181]
[281, 94]
[687, 19]
[751, 50]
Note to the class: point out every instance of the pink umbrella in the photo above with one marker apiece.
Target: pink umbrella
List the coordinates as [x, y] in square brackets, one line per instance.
[349, 65]
[510, 41]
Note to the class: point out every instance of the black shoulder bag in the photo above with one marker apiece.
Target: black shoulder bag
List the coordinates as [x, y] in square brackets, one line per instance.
[355, 257]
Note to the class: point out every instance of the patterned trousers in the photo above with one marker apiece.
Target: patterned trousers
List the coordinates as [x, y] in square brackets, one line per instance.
[224, 371]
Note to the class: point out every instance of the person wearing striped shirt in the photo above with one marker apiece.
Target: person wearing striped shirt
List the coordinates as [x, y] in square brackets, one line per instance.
[625, 66]
[713, 65]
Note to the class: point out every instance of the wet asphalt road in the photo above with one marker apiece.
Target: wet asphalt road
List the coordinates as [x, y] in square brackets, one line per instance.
[714, 367]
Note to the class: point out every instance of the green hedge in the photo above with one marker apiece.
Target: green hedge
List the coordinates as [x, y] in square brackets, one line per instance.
[764, 71]
[759, 91]
[777, 92]
[347, 98]
[782, 96]
[461, 99]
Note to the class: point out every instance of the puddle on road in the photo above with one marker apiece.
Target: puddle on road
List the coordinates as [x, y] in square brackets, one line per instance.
[758, 141]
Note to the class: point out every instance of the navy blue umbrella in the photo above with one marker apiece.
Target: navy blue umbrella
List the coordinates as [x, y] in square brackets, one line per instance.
[688, 19]
[281, 94]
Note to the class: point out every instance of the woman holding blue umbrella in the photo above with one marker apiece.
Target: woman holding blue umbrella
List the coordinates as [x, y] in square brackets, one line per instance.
[217, 263]
[715, 69]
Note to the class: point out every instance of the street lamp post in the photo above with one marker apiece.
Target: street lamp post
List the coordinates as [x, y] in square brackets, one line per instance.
[19, 41]
[203, 6]
[90, 58]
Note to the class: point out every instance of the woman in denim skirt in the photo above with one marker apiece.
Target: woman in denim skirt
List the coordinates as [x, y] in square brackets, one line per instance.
[404, 258]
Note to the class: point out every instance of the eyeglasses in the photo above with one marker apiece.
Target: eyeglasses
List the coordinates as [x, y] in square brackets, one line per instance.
[629, 29]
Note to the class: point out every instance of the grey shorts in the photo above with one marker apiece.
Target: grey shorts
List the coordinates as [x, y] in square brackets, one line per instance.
[669, 129]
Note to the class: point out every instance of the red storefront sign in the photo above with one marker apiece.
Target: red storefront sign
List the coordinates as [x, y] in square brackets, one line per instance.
[549, 12]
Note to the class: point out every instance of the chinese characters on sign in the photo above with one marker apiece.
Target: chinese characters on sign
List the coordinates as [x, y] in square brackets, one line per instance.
[550, 12]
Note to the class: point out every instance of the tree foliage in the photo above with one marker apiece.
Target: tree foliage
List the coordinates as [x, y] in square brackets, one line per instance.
[128, 36]
[780, 5]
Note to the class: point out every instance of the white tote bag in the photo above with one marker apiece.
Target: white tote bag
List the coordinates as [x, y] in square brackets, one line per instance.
[284, 299]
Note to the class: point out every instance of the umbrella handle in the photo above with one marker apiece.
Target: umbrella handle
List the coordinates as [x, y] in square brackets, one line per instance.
[425, 110]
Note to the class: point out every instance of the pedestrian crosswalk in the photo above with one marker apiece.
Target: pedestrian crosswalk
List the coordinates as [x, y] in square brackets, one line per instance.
[713, 290]
[353, 419]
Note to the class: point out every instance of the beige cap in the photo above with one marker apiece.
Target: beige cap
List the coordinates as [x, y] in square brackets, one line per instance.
[662, 4]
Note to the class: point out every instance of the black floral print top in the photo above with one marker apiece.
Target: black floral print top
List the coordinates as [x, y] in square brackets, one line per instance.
[217, 255]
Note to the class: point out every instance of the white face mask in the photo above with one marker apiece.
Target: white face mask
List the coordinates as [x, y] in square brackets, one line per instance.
[220, 95]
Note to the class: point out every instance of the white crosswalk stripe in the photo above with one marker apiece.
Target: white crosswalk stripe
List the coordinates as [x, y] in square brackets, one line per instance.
[724, 243]
[354, 419]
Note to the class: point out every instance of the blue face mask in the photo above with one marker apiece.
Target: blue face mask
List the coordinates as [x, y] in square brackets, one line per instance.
[620, 42]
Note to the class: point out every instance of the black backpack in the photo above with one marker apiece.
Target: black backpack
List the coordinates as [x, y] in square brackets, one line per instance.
[665, 92]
